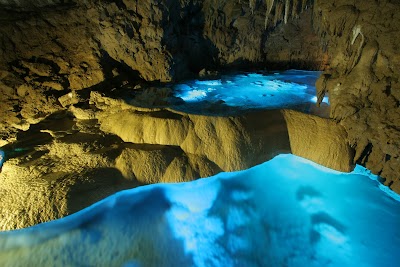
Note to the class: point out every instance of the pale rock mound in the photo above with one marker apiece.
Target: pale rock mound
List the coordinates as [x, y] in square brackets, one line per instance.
[320, 140]
[74, 159]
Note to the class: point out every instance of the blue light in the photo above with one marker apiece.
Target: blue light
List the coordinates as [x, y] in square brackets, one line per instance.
[2, 158]
[209, 82]
[194, 95]
[324, 100]
[285, 212]
[288, 89]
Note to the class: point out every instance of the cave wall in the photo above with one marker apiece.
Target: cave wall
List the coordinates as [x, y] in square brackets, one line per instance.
[258, 35]
[49, 48]
[361, 39]
[160, 40]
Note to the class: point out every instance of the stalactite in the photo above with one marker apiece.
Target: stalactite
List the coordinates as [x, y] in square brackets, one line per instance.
[266, 19]
[282, 10]
[303, 5]
[287, 7]
[356, 33]
[252, 5]
[269, 6]
[295, 7]
[278, 13]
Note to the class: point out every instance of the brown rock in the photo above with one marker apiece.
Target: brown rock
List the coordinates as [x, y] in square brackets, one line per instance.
[70, 164]
[363, 88]
[320, 140]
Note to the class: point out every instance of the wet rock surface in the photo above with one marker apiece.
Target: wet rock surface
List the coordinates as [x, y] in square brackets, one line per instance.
[78, 156]
[66, 127]
[363, 80]
[51, 48]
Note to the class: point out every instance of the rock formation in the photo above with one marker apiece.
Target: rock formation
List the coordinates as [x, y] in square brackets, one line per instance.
[57, 58]
[50, 48]
[63, 164]
[320, 140]
[363, 79]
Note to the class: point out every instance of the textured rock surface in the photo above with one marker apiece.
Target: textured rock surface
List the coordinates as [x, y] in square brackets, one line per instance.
[320, 140]
[66, 168]
[231, 143]
[50, 48]
[363, 80]
[242, 34]
[64, 163]
[158, 40]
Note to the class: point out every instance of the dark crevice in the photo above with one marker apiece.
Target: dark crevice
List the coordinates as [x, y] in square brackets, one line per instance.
[365, 155]
[388, 90]
[52, 64]
[109, 64]
[381, 179]
[120, 4]
[183, 37]
[112, 84]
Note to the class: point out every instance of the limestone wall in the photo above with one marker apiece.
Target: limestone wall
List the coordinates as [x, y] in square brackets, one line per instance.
[47, 49]
[50, 48]
[363, 81]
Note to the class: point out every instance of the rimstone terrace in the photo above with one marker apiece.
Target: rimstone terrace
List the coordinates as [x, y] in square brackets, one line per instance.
[199, 133]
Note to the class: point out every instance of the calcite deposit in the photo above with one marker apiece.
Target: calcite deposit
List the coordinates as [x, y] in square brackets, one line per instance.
[64, 163]
[363, 79]
[71, 138]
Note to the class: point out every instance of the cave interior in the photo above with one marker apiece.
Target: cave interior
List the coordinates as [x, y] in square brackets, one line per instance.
[119, 107]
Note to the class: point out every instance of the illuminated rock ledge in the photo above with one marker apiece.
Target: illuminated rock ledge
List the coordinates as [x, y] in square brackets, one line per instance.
[104, 144]
[129, 146]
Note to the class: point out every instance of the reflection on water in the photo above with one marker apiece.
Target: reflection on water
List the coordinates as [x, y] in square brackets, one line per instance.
[232, 93]
[285, 212]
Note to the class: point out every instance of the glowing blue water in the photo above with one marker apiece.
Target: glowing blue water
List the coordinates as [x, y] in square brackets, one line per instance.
[285, 212]
[2, 158]
[288, 89]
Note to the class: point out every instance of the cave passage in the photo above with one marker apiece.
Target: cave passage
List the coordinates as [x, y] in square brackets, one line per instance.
[294, 89]
[285, 212]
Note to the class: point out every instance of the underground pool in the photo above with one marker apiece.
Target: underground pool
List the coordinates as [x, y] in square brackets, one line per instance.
[285, 212]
